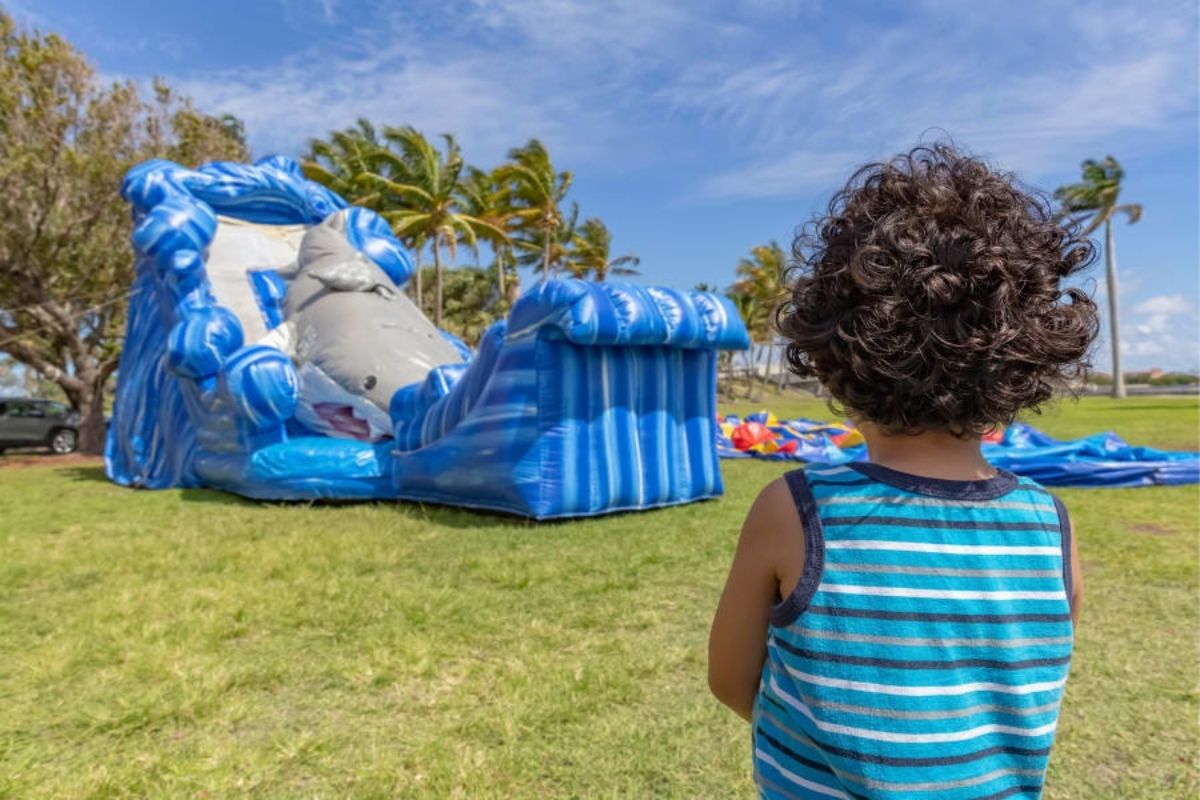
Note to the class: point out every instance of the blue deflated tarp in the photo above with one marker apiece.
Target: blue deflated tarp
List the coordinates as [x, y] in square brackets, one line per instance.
[1102, 459]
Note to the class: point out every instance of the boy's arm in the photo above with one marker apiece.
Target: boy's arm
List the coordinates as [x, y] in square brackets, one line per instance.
[737, 645]
[1076, 578]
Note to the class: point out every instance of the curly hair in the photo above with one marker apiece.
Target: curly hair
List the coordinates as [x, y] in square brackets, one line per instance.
[929, 296]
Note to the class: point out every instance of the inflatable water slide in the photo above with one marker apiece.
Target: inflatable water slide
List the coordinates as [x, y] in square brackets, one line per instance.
[271, 352]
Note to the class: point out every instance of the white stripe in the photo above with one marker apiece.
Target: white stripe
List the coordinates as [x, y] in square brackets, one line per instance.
[910, 738]
[637, 370]
[927, 691]
[941, 594]
[796, 779]
[817, 633]
[608, 432]
[925, 547]
[935, 502]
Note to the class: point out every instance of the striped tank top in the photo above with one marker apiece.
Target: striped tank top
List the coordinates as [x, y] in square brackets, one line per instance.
[924, 652]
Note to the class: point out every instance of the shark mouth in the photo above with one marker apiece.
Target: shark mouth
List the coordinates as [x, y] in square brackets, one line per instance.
[341, 418]
[328, 409]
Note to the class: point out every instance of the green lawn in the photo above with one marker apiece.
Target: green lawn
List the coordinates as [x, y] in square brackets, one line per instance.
[190, 644]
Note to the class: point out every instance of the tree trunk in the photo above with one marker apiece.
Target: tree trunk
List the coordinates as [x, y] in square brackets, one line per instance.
[92, 430]
[1110, 261]
[85, 392]
[546, 258]
[419, 294]
[437, 280]
[751, 371]
[766, 376]
[783, 367]
[500, 271]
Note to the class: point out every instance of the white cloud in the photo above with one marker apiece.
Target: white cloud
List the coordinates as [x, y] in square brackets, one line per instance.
[1164, 331]
[400, 82]
[783, 176]
[495, 74]
[1103, 72]
[760, 100]
[1165, 305]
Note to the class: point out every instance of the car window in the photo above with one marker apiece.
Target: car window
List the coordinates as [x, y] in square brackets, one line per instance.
[56, 409]
[3, 409]
[23, 409]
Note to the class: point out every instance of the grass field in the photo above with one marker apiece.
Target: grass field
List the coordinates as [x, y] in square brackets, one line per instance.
[190, 644]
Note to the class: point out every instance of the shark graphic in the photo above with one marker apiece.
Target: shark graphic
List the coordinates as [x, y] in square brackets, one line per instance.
[353, 334]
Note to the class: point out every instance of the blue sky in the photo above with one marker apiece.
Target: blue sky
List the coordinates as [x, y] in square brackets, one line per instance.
[699, 129]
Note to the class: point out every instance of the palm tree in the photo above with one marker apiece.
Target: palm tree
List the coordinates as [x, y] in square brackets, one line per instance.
[484, 196]
[591, 252]
[427, 183]
[1095, 197]
[537, 193]
[756, 293]
[338, 162]
[550, 250]
[756, 318]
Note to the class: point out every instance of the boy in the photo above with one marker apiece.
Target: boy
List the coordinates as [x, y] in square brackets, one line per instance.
[902, 627]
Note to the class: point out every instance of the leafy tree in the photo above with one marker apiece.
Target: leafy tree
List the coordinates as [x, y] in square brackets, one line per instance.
[591, 253]
[537, 192]
[66, 140]
[472, 303]
[486, 197]
[339, 161]
[18, 380]
[760, 278]
[427, 183]
[757, 293]
[550, 251]
[196, 137]
[1094, 199]
[340, 164]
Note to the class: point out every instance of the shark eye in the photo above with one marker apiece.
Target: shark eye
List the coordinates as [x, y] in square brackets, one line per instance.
[369, 382]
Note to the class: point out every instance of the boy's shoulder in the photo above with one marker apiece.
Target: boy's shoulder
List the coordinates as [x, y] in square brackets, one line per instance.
[773, 523]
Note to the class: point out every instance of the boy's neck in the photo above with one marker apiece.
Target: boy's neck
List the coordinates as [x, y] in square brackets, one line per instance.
[933, 454]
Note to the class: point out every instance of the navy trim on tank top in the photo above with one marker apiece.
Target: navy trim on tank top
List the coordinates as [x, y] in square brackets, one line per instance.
[1064, 535]
[792, 606]
[999, 485]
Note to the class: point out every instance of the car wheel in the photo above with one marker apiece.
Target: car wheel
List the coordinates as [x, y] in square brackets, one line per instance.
[63, 441]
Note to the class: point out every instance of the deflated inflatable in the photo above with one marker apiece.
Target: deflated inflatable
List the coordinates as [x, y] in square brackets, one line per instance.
[1103, 459]
[271, 352]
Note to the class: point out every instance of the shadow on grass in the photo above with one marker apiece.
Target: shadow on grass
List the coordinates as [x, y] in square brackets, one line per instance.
[96, 474]
[92, 473]
[447, 516]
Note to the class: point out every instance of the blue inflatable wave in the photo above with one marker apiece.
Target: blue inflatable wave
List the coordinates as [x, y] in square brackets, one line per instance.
[590, 398]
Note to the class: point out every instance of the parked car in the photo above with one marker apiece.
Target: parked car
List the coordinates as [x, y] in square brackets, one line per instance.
[38, 423]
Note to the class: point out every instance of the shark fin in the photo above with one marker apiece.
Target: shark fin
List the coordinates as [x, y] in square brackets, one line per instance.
[345, 276]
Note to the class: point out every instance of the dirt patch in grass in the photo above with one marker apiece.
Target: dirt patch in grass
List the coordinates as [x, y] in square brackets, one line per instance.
[1150, 529]
[35, 459]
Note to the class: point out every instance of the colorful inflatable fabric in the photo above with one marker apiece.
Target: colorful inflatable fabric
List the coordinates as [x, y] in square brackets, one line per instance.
[271, 352]
[1103, 459]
